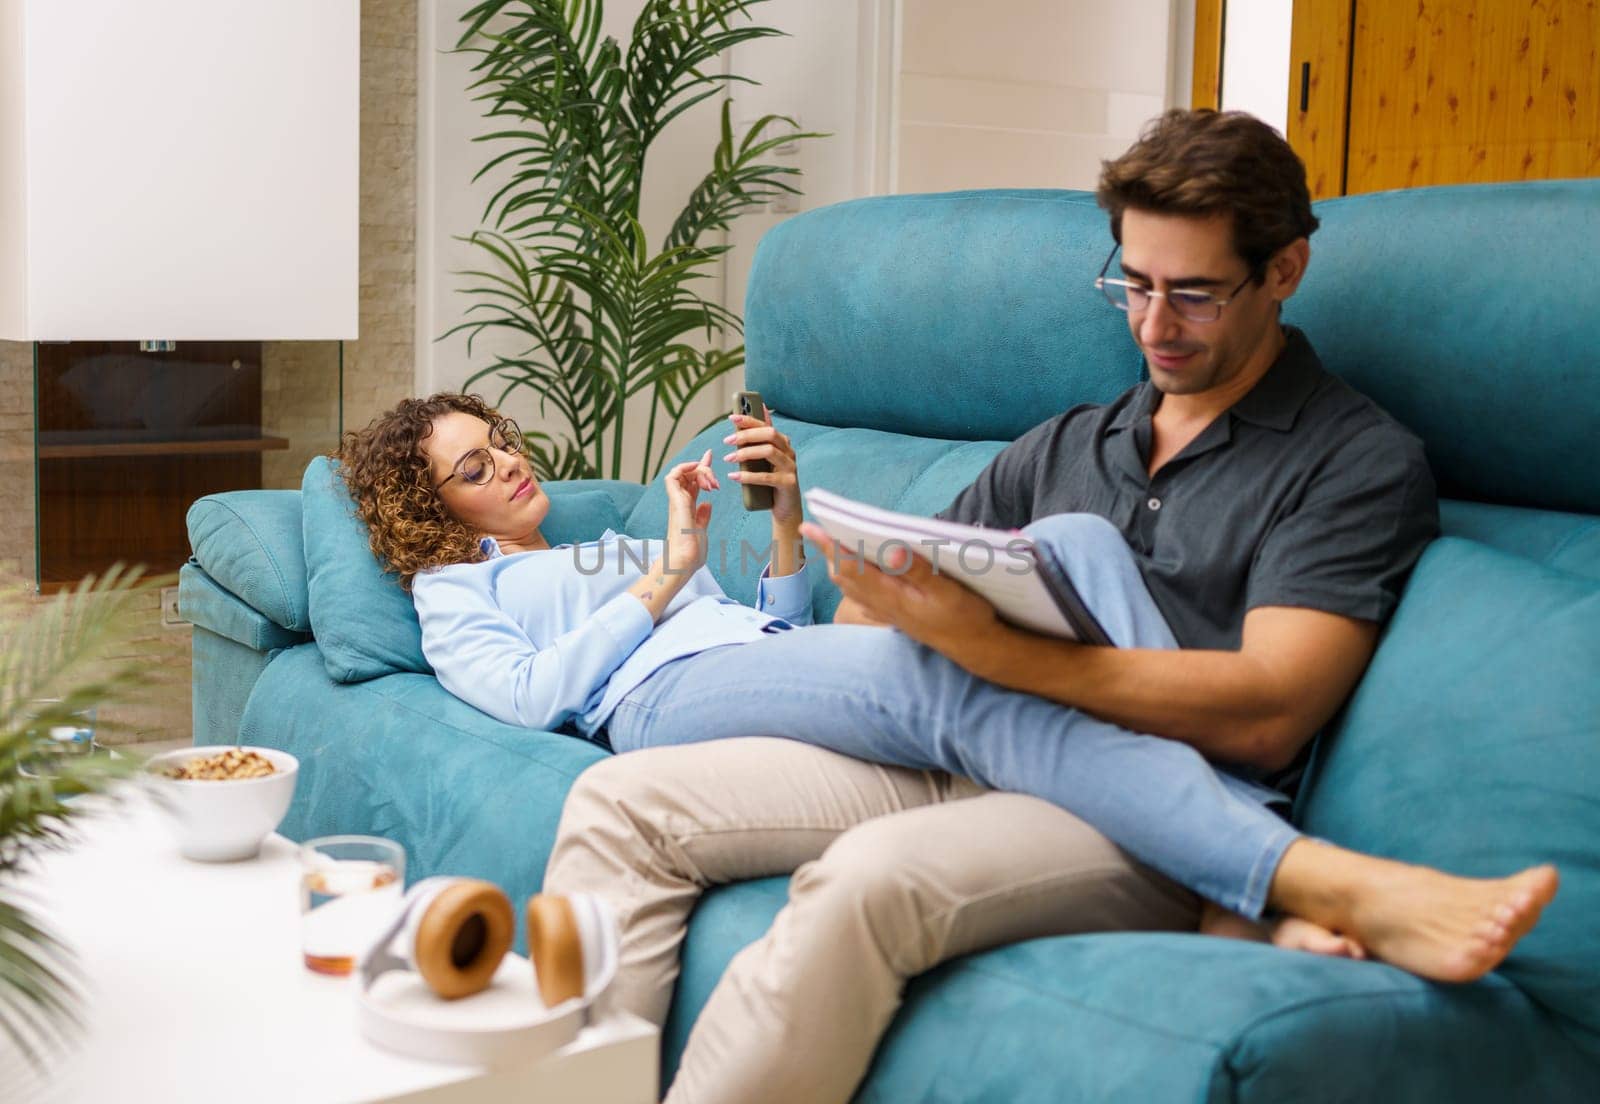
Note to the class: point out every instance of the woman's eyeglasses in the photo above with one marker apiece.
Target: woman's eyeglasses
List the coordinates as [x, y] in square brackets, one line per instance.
[477, 466]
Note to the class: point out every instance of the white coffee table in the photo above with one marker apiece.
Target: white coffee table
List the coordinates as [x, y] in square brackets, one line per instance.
[195, 991]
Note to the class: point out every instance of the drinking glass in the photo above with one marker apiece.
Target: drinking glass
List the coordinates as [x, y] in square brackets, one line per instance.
[54, 743]
[350, 887]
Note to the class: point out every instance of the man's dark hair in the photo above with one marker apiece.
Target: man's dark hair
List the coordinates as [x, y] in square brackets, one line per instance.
[1214, 163]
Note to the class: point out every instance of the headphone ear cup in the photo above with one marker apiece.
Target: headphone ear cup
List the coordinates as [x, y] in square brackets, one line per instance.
[462, 937]
[555, 944]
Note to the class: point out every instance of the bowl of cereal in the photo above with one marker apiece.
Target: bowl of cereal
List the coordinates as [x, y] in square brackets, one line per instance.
[226, 799]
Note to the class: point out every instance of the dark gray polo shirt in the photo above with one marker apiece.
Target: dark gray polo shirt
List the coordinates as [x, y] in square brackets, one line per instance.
[1304, 493]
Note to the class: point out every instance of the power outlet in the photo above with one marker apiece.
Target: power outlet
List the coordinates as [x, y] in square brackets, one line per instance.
[170, 616]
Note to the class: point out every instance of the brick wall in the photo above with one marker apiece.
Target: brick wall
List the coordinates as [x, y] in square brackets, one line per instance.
[298, 397]
[379, 368]
[16, 462]
[300, 401]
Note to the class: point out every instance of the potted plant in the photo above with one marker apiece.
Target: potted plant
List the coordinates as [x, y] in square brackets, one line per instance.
[602, 314]
[59, 660]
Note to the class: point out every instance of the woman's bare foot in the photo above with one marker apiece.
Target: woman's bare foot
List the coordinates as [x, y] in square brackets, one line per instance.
[1289, 932]
[1294, 934]
[1433, 924]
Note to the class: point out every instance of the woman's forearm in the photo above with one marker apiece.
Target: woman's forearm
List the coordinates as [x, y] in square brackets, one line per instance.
[788, 551]
[658, 587]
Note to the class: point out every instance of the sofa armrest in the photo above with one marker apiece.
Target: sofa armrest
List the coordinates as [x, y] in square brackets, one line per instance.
[250, 544]
[206, 604]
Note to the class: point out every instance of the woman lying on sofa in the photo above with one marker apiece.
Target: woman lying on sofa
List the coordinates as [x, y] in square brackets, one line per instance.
[632, 643]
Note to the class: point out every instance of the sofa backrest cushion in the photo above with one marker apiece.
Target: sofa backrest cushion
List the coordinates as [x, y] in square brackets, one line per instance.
[963, 315]
[973, 316]
[1460, 310]
[250, 543]
[1471, 745]
[363, 620]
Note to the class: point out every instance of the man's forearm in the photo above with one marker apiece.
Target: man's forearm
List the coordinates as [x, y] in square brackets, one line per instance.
[1219, 702]
[850, 612]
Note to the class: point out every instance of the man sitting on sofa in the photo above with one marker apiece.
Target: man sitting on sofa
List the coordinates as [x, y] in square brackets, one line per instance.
[1274, 514]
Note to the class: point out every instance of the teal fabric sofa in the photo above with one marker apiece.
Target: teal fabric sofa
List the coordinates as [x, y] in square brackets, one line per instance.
[902, 341]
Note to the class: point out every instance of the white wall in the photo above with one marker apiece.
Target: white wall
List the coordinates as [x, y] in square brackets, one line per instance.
[1180, 87]
[1025, 93]
[822, 76]
[1255, 59]
[13, 173]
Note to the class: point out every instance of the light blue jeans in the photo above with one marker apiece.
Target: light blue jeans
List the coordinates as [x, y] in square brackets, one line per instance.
[877, 695]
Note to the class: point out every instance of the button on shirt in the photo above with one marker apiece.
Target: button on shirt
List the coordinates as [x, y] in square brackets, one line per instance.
[1305, 493]
[541, 638]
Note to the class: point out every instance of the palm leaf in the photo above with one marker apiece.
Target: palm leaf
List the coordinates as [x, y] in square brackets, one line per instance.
[598, 315]
[58, 659]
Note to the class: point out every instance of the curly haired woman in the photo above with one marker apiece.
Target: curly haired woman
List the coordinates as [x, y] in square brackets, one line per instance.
[632, 643]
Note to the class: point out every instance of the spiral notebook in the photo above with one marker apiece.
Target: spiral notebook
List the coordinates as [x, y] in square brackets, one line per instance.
[1021, 579]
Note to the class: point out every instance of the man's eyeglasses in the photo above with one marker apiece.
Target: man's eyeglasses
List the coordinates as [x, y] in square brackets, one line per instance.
[477, 466]
[1190, 303]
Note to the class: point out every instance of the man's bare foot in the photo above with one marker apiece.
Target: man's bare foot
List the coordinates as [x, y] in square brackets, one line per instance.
[1288, 932]
[1433, 924]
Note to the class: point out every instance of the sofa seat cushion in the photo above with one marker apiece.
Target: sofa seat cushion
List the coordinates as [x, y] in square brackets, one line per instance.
[1113, 1017]
[363, 619]
[1172, 1017]
[250, 543]
[400, 757]
[1473, 744]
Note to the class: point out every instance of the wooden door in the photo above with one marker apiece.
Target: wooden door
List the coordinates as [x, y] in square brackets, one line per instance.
[1403, 93]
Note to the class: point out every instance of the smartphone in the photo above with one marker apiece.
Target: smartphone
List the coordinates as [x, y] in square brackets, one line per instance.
[755, 497]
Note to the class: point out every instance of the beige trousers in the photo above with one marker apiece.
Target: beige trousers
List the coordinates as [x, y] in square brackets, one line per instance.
[895, 871]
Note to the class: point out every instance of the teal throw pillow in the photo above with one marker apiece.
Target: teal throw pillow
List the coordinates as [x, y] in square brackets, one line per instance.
[363, 620]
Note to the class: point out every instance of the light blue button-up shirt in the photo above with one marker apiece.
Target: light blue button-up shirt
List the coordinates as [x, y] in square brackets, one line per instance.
[540, 638]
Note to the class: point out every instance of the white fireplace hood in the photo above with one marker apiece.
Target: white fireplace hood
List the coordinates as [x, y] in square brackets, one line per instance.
[179, 169]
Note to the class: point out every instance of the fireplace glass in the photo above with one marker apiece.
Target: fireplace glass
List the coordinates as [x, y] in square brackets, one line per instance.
[127, 438]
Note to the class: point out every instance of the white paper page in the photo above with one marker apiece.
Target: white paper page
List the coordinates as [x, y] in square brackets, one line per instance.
[998, 565]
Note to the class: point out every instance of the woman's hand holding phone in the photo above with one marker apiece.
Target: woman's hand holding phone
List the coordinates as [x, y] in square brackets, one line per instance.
[757, 439]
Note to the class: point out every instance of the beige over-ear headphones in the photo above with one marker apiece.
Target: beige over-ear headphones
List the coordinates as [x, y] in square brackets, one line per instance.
[450, 938]
[455, 932]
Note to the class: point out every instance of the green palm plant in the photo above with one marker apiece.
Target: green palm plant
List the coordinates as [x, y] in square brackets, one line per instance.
[600, 315]
[58, 659]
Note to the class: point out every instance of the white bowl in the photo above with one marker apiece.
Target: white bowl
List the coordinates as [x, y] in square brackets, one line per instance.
[225, 820]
